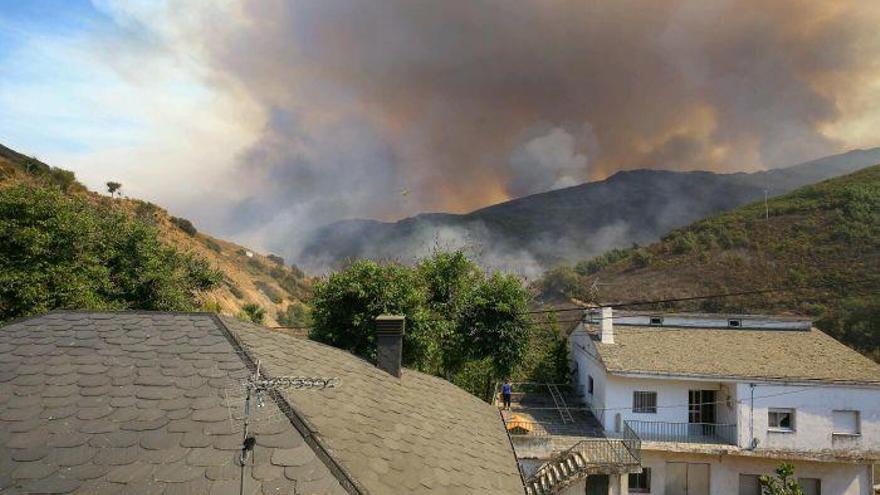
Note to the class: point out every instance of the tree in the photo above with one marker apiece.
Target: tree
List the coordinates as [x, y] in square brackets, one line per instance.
[59, 251]
[112, 187]
[347, 303]
[782, 484]
[461, 324]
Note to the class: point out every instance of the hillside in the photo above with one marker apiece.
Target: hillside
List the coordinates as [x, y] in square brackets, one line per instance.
[826, 234]
[528, 234]
[248, 277]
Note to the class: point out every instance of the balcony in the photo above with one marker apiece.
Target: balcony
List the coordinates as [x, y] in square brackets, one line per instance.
[704, 433]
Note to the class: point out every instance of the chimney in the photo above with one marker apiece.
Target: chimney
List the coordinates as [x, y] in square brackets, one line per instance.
[606, 325]
[389, 343]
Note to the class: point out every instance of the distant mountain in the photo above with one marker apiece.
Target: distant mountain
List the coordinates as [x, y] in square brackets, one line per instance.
[249, 277]
[823, 238]
[531, 233]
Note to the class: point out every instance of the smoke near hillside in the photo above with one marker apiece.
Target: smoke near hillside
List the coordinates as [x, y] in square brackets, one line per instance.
[278, 117]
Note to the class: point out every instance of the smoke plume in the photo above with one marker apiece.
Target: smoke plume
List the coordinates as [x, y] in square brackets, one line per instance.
[388, 108]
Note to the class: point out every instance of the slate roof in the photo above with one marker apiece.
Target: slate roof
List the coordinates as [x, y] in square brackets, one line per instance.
[416, 434]
[138, 402]
[792, 355]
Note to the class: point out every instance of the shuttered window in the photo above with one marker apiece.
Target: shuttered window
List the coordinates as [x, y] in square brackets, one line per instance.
[644, 402]
[846, 423]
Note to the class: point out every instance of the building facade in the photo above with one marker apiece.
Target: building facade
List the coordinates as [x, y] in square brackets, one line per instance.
[718, 401]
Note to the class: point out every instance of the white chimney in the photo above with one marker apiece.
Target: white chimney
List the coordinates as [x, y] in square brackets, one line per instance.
[606, 325]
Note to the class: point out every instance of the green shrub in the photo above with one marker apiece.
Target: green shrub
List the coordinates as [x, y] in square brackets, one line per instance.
[278, 260]
[59, 251]
[296, 314]
[596, 264]
[184, 225]
[253, 313]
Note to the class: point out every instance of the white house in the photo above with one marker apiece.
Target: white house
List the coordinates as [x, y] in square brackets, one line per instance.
[719, 400]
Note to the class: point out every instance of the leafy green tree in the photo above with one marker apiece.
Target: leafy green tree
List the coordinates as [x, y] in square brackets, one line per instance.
[59, 251]
[253, 313]
[112, 187]
[347, 303]
[461, 324]
[783, 483]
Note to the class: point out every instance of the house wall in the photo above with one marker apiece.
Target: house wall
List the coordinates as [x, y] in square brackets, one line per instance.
[672, 400]
[813, 407]
[584, 353]
[724, 471]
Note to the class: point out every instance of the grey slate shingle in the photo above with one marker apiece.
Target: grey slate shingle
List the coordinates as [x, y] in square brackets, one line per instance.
[128, 403]
[415, 434]
[138, 402]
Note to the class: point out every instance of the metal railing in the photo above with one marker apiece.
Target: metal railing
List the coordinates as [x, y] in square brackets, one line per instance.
[661, 431]
[632, 442]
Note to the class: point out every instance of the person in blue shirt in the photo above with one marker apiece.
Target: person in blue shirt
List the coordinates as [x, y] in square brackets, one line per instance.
[506, 390]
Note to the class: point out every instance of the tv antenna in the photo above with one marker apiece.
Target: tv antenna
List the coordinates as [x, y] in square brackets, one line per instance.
[256, 387]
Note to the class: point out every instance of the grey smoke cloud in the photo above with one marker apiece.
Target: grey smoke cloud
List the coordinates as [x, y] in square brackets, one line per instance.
[386, 108]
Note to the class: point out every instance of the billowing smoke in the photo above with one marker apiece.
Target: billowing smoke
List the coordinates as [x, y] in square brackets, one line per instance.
[387, 108]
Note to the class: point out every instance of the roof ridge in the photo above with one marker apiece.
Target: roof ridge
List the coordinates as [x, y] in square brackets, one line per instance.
[346, 480]
[354, 356]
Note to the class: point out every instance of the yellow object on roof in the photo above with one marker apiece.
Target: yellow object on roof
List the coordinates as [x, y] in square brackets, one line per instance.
[517, 424]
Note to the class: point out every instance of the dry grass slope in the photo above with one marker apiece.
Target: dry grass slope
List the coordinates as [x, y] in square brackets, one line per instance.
[249, 277]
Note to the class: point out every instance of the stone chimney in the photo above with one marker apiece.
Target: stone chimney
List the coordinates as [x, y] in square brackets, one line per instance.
[389, 343]
[606, 325]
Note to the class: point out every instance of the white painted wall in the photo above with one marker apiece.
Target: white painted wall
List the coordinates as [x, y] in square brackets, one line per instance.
[672, 399]
[583, 353]
[724, 471]
[813, 407]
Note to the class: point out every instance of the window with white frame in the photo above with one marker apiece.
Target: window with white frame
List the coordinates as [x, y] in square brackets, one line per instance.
[644, 402]
[780, 420]
[640, 482]
[846, 423]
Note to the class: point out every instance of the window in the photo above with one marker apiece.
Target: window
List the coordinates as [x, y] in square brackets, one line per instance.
[640, 482]
[781, 419]
[846, 423]
[810, 486]
[590, 385]
[656, 321]
[734, 323]
[749, 485]
[645, 402]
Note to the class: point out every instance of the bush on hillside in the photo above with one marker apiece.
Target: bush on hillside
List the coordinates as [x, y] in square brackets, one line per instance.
[184, 225]
[253, 313]
[59, 251]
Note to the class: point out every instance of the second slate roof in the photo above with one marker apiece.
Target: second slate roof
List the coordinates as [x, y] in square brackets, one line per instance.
[809, 355]
[408, 435]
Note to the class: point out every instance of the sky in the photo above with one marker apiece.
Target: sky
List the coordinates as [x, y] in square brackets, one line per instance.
[260, 121]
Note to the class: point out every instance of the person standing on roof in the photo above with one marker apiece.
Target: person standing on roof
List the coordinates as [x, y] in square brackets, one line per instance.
[506, 390]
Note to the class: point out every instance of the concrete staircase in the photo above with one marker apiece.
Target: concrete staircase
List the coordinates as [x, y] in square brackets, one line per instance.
[557, 474]
[588, 457]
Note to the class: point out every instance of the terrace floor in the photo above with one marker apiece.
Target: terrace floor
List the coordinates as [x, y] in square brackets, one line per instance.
[555, 415]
